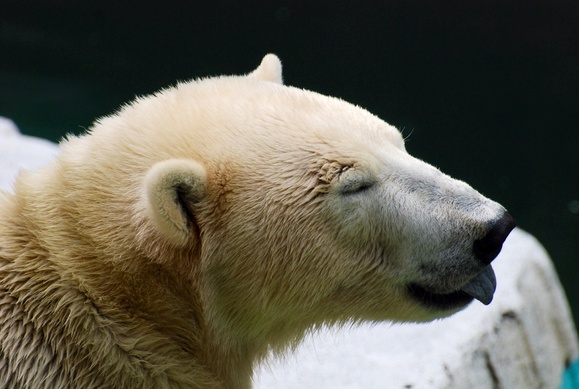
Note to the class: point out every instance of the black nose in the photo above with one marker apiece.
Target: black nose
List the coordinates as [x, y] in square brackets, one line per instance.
[487, 248]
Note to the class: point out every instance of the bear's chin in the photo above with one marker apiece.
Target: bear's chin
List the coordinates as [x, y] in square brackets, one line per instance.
[438, 301]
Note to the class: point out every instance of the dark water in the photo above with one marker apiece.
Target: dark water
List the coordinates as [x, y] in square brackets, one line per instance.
[486, 90]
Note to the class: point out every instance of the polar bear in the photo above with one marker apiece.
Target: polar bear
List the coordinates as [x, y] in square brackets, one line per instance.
[185, 237]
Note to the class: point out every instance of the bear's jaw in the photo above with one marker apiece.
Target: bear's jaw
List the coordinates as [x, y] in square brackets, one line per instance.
[439, 301]
[480, 287]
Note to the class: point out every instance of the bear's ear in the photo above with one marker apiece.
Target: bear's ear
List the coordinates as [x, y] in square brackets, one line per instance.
[172, 187]
[269, 69]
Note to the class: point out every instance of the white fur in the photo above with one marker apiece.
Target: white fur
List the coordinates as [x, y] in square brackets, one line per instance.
[198, 228]
[269, 69]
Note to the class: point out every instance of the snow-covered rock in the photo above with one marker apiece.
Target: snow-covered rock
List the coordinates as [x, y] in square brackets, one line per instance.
[524, 339]
[19, 151]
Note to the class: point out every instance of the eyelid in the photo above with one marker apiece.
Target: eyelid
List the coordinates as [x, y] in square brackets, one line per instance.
[355, 181]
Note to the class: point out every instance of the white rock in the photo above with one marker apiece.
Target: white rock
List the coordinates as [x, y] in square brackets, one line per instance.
[19, 151]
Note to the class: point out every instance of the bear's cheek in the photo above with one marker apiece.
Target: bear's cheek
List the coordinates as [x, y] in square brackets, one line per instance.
[319, 267]
[270, 261]
[366, 227]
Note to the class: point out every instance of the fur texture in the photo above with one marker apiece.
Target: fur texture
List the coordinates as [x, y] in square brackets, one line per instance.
[186, 236]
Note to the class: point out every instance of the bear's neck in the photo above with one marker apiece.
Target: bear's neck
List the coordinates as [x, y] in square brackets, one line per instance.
[232, 364]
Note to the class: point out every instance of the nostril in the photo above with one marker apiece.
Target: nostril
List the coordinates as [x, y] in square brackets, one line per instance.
[487, 248]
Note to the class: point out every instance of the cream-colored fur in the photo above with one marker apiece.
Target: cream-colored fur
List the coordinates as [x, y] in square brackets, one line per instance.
[186, 236]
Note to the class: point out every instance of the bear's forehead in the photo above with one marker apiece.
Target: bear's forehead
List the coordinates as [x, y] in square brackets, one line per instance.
[276, 113]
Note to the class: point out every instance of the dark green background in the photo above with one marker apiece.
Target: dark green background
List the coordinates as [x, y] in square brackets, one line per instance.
[487, 90]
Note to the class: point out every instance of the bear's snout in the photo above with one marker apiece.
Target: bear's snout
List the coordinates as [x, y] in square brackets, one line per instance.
[488, 247]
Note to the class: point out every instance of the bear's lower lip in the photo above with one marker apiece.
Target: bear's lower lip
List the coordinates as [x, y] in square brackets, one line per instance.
[439, 301]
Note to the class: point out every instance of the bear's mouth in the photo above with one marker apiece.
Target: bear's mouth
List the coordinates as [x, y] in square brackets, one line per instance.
[481, 287]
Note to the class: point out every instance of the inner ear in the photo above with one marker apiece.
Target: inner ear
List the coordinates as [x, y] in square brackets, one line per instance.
[185, 201]
[172, 188]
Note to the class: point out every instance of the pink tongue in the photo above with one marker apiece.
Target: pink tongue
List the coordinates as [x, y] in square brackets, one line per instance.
[483, 286]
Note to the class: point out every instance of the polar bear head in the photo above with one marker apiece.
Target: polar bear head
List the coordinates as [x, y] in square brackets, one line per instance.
[282, 208]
